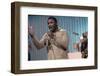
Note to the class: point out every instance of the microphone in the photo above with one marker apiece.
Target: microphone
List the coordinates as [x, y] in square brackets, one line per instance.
[75, 33]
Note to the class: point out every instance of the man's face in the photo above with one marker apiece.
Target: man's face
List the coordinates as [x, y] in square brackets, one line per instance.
[52, 25]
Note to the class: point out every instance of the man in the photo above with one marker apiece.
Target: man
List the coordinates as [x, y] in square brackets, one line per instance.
[55, 40]
[84, 45]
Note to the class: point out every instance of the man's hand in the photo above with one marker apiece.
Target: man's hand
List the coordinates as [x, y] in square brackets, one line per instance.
[31, 31]
[51, 35]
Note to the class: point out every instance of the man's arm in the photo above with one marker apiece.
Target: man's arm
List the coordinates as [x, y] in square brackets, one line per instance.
[38, 43]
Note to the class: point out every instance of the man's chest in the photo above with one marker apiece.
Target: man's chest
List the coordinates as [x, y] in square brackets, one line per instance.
[56, 37]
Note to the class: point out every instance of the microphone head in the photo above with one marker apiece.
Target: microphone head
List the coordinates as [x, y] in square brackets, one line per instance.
[75, 33]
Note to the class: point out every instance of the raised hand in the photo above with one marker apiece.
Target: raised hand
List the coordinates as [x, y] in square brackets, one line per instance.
[31, 31]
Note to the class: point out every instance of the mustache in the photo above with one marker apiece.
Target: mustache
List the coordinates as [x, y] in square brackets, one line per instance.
[50, 27]
[54, 26]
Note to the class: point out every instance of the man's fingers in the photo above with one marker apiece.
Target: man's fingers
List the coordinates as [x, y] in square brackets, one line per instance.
[30, 30]
[29, 27]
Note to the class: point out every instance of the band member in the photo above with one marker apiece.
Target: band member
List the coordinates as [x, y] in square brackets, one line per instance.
[56, 40]
[84, 45]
